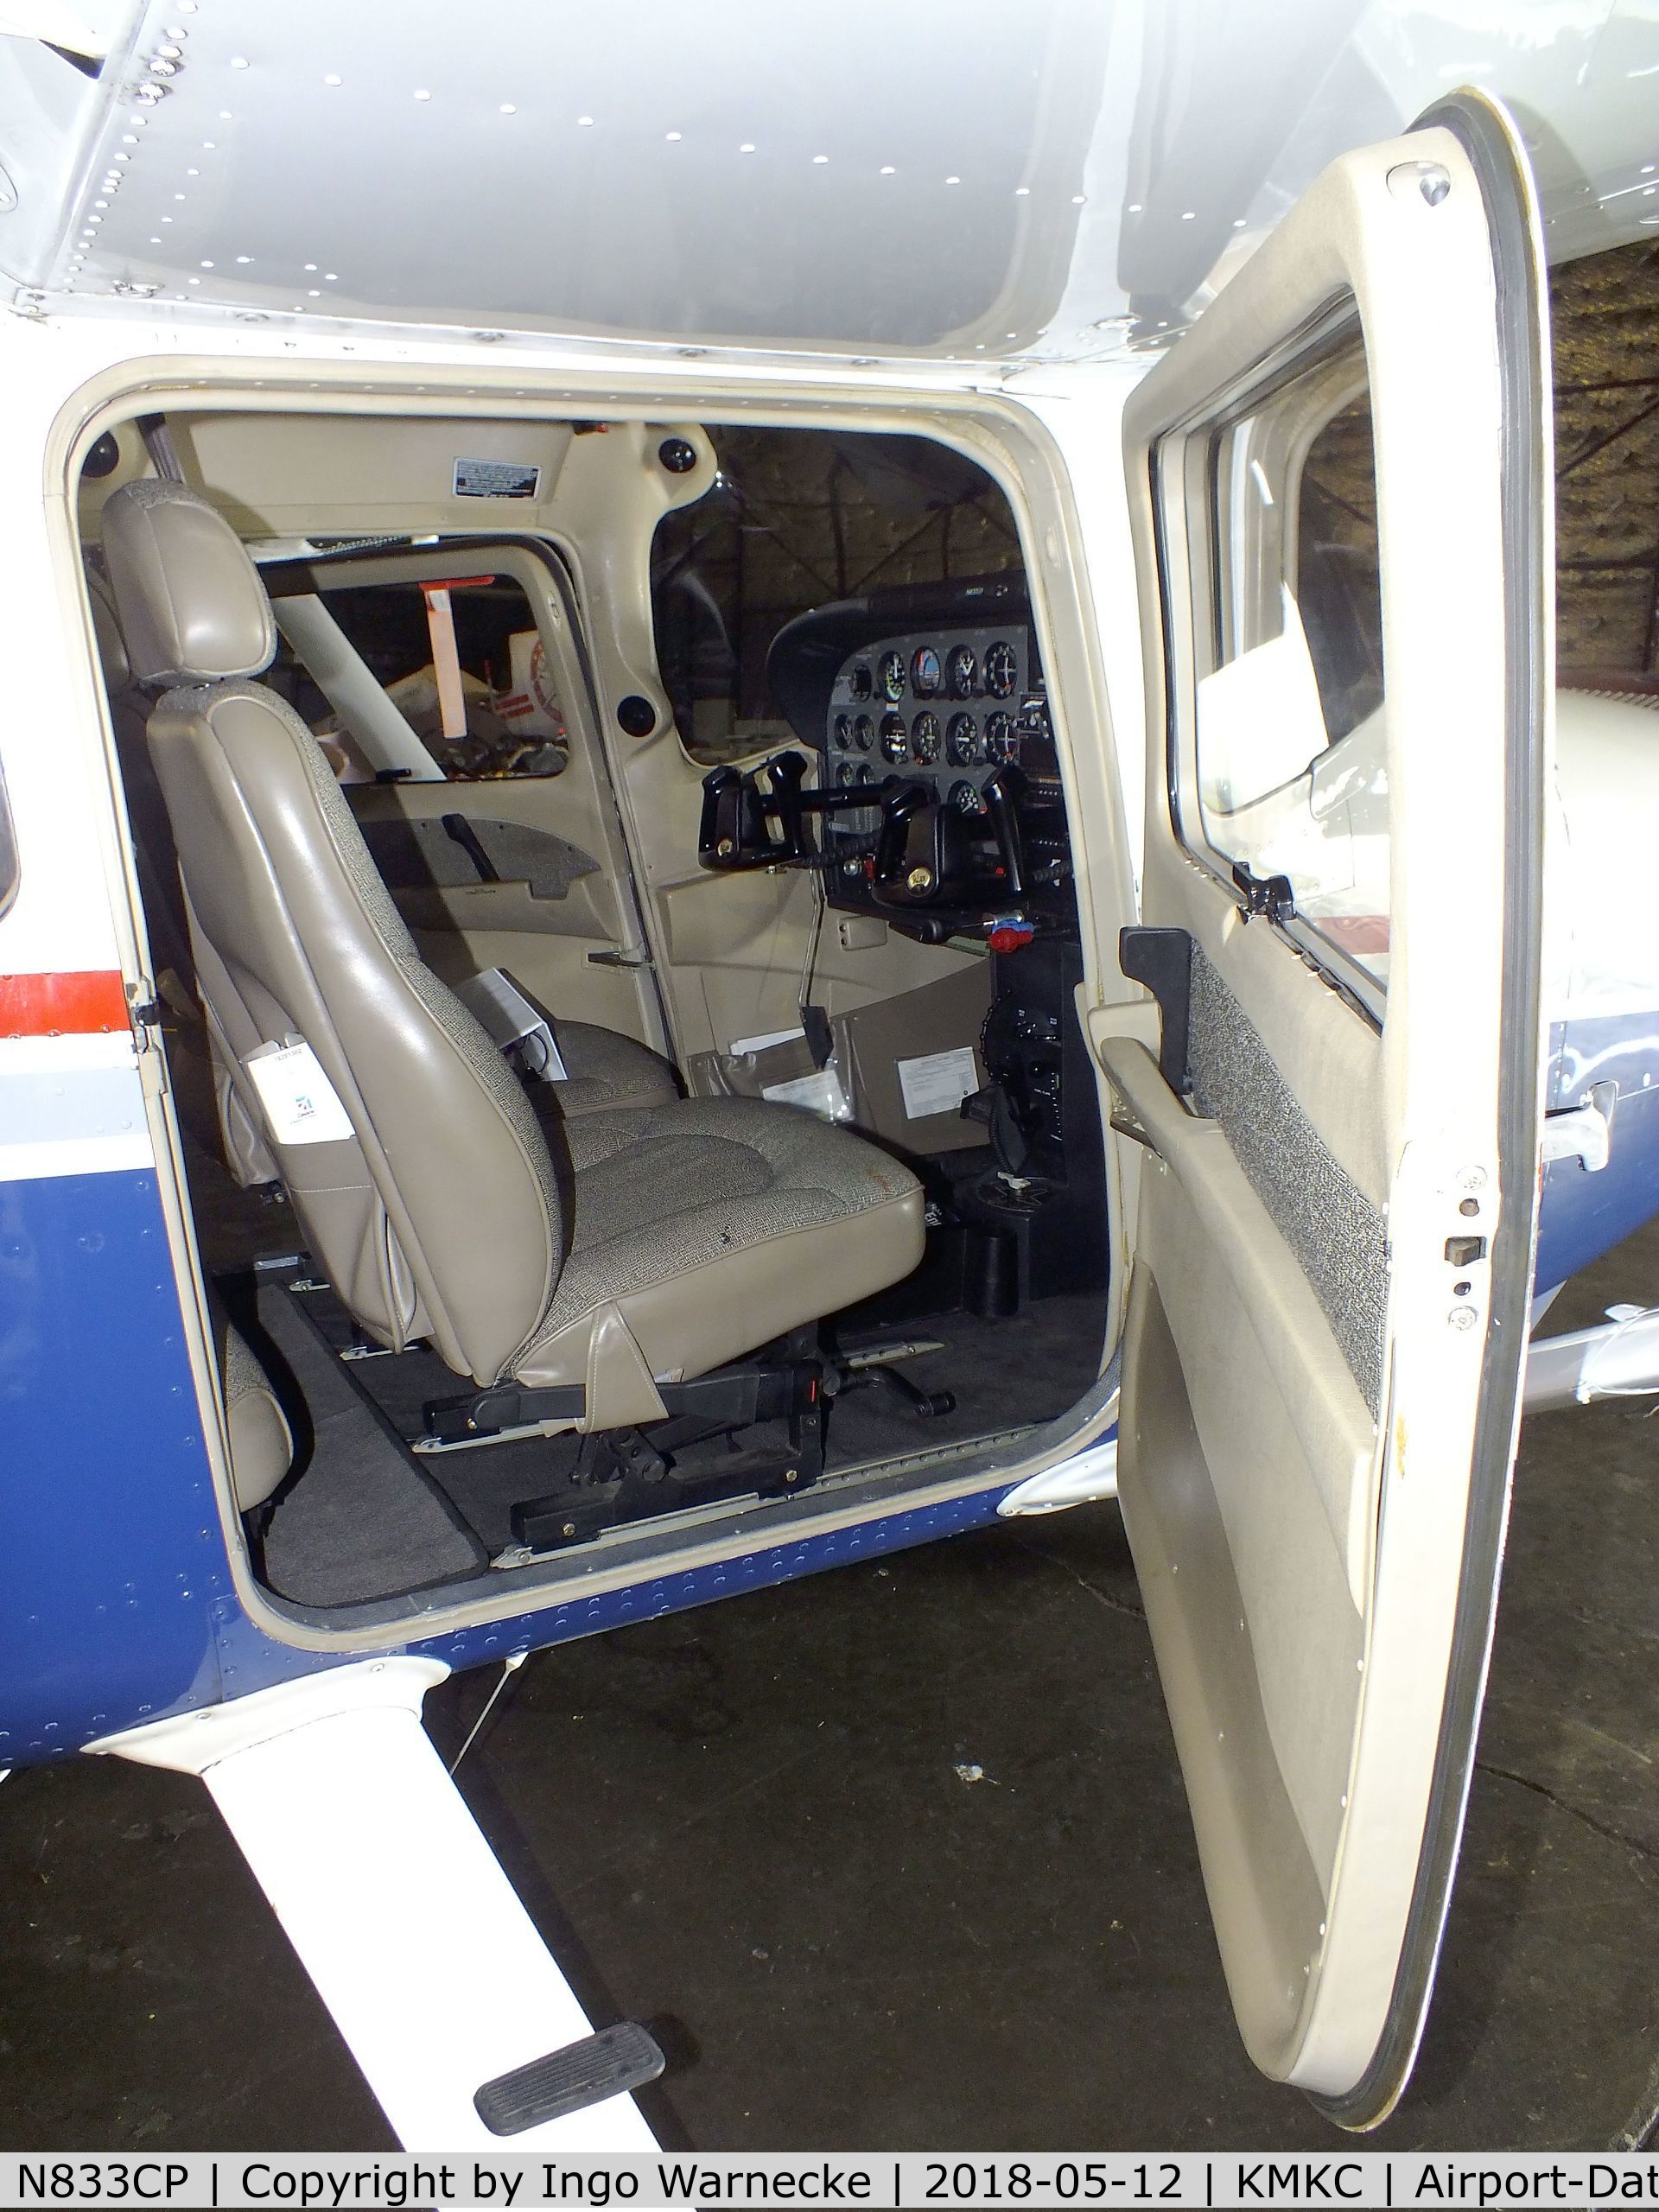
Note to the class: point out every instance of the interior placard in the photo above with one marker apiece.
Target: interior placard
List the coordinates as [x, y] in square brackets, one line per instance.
[937, 1082]
[497, 480]
[821, 1093]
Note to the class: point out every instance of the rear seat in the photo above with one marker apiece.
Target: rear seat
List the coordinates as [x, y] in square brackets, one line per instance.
[262, 1443]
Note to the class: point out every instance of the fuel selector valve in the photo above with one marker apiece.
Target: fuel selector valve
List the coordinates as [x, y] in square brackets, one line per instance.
[1009, 933]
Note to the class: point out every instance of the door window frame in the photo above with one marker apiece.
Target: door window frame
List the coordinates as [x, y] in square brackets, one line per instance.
[535, 565]
[1187, 523]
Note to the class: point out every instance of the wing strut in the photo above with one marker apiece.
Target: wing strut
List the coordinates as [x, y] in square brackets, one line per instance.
[398, 1908]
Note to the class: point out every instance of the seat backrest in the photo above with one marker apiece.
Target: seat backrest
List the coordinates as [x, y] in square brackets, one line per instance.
[240, 1133]
[152, 832]
[439, 1215]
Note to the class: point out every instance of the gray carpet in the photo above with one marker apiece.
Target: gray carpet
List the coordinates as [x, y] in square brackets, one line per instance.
[1004, 1375]
[1007, 1373]
[358, 1519]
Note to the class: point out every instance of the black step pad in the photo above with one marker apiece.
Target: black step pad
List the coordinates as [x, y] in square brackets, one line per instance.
[585, 2072]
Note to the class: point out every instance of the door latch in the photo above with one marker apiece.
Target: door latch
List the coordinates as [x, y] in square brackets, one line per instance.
[144, 1010]
[1268, 895]
[615, 957]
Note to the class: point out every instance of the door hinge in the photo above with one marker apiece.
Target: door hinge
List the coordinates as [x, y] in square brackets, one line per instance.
[1089, 1475]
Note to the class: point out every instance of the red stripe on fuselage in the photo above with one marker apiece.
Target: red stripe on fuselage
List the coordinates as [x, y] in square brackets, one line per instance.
[92, 1001]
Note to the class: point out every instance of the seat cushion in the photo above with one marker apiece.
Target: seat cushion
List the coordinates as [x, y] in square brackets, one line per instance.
[262, 1447]
[702, 1229]
[607, 1072]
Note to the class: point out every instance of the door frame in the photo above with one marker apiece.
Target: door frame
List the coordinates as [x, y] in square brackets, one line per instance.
[76, 378]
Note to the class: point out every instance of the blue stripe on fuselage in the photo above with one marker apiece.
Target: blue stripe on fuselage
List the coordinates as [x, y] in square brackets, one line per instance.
[116, 1600]
[1581, 1215]
[111, 1547]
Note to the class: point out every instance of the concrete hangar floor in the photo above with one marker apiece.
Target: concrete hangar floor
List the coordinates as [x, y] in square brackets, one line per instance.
[899, 1859]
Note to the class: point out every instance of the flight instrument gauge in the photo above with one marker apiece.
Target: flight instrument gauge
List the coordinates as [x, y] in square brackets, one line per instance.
[895, 739]
[864, 734]
[1001, 739]
[859, 682]
[1000, 669]
[893, 676]
[844, 732]
[924, 739]
[965, 799]
[964, 671]
[963, 740]
[927, 674]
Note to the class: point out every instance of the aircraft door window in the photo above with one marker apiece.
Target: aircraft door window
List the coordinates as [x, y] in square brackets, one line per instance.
[1285, 784]
[459, 659]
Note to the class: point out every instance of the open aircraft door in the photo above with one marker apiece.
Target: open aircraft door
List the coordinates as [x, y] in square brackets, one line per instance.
[1341, 482]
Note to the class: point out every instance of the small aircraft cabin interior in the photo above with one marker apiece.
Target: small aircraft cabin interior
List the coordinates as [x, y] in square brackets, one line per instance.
[611, 901]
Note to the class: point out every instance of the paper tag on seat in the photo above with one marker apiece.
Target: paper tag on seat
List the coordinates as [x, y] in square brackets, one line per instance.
[301, 1105]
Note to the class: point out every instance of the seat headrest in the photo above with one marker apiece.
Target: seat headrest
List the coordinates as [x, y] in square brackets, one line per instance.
[192, 608]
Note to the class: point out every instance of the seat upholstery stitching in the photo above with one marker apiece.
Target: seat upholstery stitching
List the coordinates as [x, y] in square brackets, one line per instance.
[714, 1259]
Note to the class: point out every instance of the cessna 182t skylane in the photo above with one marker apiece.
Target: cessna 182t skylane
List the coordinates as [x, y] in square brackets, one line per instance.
[504, 1063]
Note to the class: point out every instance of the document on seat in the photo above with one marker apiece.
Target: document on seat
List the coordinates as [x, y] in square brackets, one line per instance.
[301, 1105]
[937, 1083]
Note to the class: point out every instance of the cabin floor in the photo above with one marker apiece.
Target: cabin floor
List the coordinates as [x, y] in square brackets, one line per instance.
[367, 1518]
[898, 1858]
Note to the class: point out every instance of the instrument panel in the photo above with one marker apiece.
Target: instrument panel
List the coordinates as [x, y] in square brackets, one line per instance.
[948, 709]
[932, 794]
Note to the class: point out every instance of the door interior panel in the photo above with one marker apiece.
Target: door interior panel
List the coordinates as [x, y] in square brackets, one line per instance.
[429, 853]
[1259, 1874]
[1336, 1234]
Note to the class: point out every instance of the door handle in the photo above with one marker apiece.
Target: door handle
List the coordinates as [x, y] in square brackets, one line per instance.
[1126, 1122]
[1144, 1106]
[461, 830]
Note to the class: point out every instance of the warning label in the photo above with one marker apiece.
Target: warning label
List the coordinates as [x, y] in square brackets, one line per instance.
[497, 480]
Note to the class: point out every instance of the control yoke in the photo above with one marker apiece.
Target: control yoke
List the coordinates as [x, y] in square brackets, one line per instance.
[926, 852]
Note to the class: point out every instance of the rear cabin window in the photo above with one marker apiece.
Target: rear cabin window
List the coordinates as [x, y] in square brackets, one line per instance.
[460, 658]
